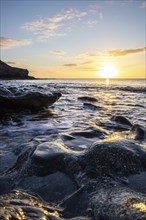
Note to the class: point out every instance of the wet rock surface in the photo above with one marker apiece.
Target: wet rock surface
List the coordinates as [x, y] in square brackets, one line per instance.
[87, 98]
[25, 100]
[53, 188]
[115, 157]
[21, 205]
[121, 120]
[138, 132]
[92, 106]
[90, 132]
[117, 202]
[88, 180]
[70, 161]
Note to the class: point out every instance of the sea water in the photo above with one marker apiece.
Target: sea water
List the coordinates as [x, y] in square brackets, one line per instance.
[124, 97]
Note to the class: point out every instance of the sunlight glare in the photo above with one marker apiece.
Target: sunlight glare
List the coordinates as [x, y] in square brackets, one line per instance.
[107, 82]
[108, 71]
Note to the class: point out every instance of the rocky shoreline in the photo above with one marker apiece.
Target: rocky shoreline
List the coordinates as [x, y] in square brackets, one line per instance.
[50, 176]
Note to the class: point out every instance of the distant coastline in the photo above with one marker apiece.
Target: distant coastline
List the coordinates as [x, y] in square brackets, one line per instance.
[8, 72]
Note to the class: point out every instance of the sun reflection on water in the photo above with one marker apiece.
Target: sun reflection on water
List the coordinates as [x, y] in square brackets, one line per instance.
[107, 82]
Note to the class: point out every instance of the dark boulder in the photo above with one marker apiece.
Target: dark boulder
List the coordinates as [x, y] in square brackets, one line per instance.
[92, 107]
[122, 120]
[26, 101]
[113, 201]
[118, 157]
[87, 98]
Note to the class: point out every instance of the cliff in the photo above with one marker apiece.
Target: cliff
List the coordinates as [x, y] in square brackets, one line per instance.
[9, 72]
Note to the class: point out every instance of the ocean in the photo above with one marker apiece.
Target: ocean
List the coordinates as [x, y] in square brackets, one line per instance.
[89, 111]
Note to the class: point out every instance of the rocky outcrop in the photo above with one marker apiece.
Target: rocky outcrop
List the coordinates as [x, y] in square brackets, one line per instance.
[26, 99]
[9, 72]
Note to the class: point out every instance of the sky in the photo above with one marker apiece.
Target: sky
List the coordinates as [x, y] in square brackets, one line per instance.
[74, 39]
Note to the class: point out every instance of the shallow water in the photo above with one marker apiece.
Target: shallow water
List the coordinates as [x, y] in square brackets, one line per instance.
[71, 121]
[68, 114]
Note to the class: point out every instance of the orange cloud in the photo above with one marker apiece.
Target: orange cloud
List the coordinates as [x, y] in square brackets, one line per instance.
[70, 64]
[11, 62]
[87, 62]
[119, 52]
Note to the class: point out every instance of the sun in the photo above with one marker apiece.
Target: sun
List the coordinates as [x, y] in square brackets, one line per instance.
[108, 71]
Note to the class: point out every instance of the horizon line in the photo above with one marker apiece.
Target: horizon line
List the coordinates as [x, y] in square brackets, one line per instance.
[86, 78]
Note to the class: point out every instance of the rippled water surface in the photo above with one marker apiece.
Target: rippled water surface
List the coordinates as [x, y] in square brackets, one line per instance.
[68, 114]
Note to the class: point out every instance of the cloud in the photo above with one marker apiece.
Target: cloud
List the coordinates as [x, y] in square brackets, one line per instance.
[7, 43]
[58, 52]
[91, 60]
[52, 27]
[80, 64]
[64, 22]
[78, 57]
[101, 15]
[34, 25]
[87, 62]
[68, 15]
[11, 62]
[96, 11]
[94, 54]
[143, 4]
[44, 35]
[43, 29]
[91, 23]
[119, 52]
[70, 64]
[40, 25]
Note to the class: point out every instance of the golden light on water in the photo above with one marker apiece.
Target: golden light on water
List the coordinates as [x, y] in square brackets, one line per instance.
[107, 71]
[107, 82]
[141, 206]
